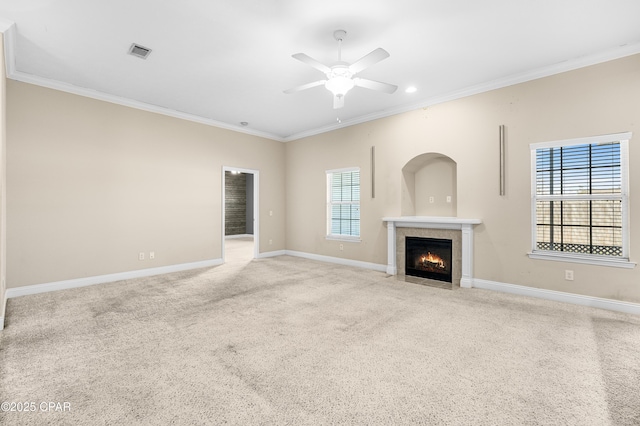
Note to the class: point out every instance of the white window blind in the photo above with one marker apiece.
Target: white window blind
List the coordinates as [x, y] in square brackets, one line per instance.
[343, 203]
[579, 196]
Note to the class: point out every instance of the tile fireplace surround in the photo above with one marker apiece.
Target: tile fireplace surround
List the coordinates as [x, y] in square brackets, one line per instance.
[417, 225]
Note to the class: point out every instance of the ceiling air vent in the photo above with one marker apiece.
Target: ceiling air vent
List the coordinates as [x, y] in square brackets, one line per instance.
[139, 51]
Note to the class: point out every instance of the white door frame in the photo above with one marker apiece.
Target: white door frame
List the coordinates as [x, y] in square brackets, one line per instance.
[256, 206]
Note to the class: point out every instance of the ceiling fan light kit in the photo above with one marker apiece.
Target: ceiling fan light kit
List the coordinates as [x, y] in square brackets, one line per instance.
[340, 77]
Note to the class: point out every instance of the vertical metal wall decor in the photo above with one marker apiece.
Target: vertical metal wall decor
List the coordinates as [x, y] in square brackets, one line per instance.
[502, 171]
[373, 172]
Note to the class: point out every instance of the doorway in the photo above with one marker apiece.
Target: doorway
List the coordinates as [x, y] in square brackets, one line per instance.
[240, 208]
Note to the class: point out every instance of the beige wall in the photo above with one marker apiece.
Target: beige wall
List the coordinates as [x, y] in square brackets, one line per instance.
[91, 184]
[3, 174]
[428, 180]
[433, 184]
[596, 100]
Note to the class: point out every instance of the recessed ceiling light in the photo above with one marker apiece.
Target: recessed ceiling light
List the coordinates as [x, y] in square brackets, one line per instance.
[411, 89]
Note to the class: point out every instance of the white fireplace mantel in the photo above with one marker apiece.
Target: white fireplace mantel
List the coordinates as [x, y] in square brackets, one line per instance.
[434, 222]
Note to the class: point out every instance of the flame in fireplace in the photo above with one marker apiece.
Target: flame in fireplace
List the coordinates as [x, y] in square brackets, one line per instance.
[432, 260]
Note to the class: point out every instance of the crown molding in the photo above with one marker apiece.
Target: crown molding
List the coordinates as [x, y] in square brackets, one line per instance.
[561, 67]
[8, 29]
[94, 94]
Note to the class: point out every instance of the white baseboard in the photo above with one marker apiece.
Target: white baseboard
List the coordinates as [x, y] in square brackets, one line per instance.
[4, 310]
[559, 296]
[101, 279]
[338, 260]
[271, 254]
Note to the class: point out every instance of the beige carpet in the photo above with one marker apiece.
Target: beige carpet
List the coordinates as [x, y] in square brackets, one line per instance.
[292, 341]
[238, 249]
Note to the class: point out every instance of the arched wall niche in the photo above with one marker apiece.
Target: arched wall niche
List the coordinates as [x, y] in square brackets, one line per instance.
[429, 186]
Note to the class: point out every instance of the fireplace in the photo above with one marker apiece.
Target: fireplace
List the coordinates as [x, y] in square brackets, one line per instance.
[429, 258]
[458, 230]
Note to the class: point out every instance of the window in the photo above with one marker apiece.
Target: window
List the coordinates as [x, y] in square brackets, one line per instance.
[580, 200]
[343, 203]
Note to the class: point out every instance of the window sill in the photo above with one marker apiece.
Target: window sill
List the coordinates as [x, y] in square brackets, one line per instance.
[585, 259]
[345, 238]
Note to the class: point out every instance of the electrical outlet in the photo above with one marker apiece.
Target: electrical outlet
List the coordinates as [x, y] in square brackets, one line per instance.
[448, 198]
[270, 242]
[141, 255]
[568, 275]
[152, 255]
[270, 212]
[431, 199]
[341, 246]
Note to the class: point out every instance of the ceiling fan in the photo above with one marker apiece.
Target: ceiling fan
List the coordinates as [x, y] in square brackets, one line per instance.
[341, 75]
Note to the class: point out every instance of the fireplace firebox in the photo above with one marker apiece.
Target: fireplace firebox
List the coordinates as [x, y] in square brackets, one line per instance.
[428, 258]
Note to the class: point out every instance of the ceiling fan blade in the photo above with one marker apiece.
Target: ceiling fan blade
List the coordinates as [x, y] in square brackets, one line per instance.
[310, 61]
[375, 85]
[367, 60]
[338, 101]
[305, 86]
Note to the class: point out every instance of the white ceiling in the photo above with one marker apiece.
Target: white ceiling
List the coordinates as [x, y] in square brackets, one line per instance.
[225, 62]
